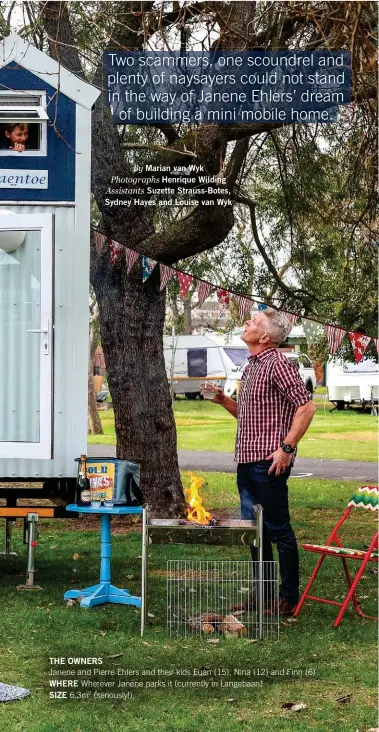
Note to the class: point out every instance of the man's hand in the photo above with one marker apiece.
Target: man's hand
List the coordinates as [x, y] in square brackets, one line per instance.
[281, 461]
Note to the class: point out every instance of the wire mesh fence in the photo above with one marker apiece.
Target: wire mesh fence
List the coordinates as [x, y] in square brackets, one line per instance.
[222, 598]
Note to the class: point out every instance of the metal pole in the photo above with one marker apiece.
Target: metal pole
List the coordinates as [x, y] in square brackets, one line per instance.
[144, 573]
[259, 519]
[31, 522]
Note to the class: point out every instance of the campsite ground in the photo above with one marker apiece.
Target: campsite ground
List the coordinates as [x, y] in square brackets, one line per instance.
[311, 662]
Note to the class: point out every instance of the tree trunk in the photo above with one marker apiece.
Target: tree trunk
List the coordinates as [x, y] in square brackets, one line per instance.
[132, 316]
[187, 316]
[94, 426]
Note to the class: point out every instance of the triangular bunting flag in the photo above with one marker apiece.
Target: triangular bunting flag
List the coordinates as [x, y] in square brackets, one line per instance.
[291, 317]
[334, 336]
[147, 267]
[203, 290]
[311, 330]
[376, 341]
[184, 283]
[262, 306]
[244, 306]
[115, 251]
[167, 274]
[359, 343]
[131, 257]
[99, 241]
[223, 296]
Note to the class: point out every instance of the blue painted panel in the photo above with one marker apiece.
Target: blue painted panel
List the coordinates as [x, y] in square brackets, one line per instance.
[60, 158]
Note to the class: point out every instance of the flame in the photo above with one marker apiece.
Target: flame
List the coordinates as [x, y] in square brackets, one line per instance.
[196, 511]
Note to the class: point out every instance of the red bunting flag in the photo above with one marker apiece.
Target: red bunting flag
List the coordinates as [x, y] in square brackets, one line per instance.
[184, 283]
[115, 250]
[131, 257]
[203, 290]
[99, 241]
[223, 296]
[291, 317]
[166, 275]
[334, 336]
[376, 341]
[359, 343]
[244, 306]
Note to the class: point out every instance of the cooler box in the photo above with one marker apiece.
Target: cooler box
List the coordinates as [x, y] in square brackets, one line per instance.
[119, 479]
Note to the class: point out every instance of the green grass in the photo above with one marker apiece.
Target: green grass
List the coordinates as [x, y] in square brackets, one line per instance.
[38, 625]
[347, 435]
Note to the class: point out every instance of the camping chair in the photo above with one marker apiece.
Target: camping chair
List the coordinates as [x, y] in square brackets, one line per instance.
[365, 497]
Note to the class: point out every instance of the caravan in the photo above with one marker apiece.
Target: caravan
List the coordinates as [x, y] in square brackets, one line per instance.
[192, 359]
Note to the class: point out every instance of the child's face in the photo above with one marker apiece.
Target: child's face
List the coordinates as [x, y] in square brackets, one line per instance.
[18, 135]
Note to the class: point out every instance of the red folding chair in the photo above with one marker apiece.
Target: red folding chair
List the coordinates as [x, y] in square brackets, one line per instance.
[367, 498]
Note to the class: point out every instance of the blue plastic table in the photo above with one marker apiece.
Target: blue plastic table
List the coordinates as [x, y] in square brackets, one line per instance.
[104, 591]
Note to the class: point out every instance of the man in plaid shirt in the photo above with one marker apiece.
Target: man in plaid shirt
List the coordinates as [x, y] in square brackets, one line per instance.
[273, 412]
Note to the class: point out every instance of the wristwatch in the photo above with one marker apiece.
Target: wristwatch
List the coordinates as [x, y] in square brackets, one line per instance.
[287, 448]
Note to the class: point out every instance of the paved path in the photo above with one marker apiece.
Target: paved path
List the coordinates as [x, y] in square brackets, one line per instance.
[223, 462]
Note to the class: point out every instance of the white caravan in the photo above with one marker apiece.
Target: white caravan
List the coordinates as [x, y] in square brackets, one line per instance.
[352, 383]
[192, 359]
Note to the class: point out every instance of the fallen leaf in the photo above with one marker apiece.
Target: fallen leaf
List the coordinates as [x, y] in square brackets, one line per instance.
[150, 615]
[75, 556]
[294, 706]
[54, 547]
[145, 643]
[345, 699]
[116, 655]
[102, 632]
[231, 700]
[130, 576]
[291, 620]
[213, 640]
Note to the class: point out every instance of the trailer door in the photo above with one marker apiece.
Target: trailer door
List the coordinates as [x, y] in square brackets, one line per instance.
[26, 344]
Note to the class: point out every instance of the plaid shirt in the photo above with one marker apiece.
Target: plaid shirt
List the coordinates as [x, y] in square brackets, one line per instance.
[271, 392]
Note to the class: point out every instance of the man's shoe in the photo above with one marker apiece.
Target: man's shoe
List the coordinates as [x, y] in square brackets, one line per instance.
[285, 607]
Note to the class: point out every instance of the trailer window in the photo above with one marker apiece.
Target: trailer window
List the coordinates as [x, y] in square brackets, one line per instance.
[237, 355]
[197, 362]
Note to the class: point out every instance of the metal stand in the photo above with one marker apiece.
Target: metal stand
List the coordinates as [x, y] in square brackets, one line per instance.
[104, 591]
[230, 533]
[31, 534]
[8, 537]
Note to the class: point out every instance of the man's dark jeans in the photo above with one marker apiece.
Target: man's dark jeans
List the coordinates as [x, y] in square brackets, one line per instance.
[255, 485]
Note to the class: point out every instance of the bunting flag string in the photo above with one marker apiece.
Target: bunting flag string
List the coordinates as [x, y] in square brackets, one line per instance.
[291, 317]
[334, 335]
[115, 250]
[184, 283]
[311, 330]
[223, 296]
[166, 274]
[147, 267]
[311, 327]
[244, 306]
[359, 343]
[203, 290]
[131, 257]
[99, 241]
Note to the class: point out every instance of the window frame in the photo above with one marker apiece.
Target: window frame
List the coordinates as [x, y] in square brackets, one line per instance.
[42, 121]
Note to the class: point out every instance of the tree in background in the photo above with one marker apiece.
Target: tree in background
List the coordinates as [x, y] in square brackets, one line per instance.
[132, 313]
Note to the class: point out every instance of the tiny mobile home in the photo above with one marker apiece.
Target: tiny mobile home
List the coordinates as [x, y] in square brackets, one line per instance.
[44, 264]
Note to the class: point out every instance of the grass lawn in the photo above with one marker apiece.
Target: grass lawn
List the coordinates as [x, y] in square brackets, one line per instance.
[347, 435]
[327, 663]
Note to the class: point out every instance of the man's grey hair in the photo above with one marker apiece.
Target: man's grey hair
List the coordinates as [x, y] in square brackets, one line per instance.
[278, 326]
